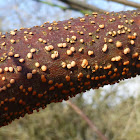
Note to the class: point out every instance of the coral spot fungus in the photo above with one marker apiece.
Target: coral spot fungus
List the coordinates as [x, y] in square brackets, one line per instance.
[55, 61]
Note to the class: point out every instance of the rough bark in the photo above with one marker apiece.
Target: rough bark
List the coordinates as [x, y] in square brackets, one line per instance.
[55, 61]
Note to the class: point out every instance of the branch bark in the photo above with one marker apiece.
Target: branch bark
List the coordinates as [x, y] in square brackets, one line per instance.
[55, 61]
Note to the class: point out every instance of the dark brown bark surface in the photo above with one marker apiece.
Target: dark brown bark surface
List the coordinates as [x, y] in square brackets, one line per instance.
[55, 61]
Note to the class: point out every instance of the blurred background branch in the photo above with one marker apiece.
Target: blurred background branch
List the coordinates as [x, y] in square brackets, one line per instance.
[81, 6]
[89, 122]
[84, 7]
[128, 3]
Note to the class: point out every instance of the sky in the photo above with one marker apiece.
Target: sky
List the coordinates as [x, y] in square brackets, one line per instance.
[26, 13]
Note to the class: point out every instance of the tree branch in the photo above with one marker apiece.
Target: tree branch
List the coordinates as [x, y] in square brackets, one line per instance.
[128, 3]
[55, 61]
[89, 122]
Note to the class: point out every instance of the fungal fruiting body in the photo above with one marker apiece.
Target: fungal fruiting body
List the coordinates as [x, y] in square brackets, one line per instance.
[55, 61]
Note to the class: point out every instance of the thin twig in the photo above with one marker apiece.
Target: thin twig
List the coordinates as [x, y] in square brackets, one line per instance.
[52, 4]
[78, 5]
[130, 119]
[89, 122]
[75, 5]
[128, 3]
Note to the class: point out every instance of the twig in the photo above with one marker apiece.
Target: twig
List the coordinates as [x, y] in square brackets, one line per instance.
[78, 5]
[52, 4]
[89, 122]
[128, 3]
[75, 5]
